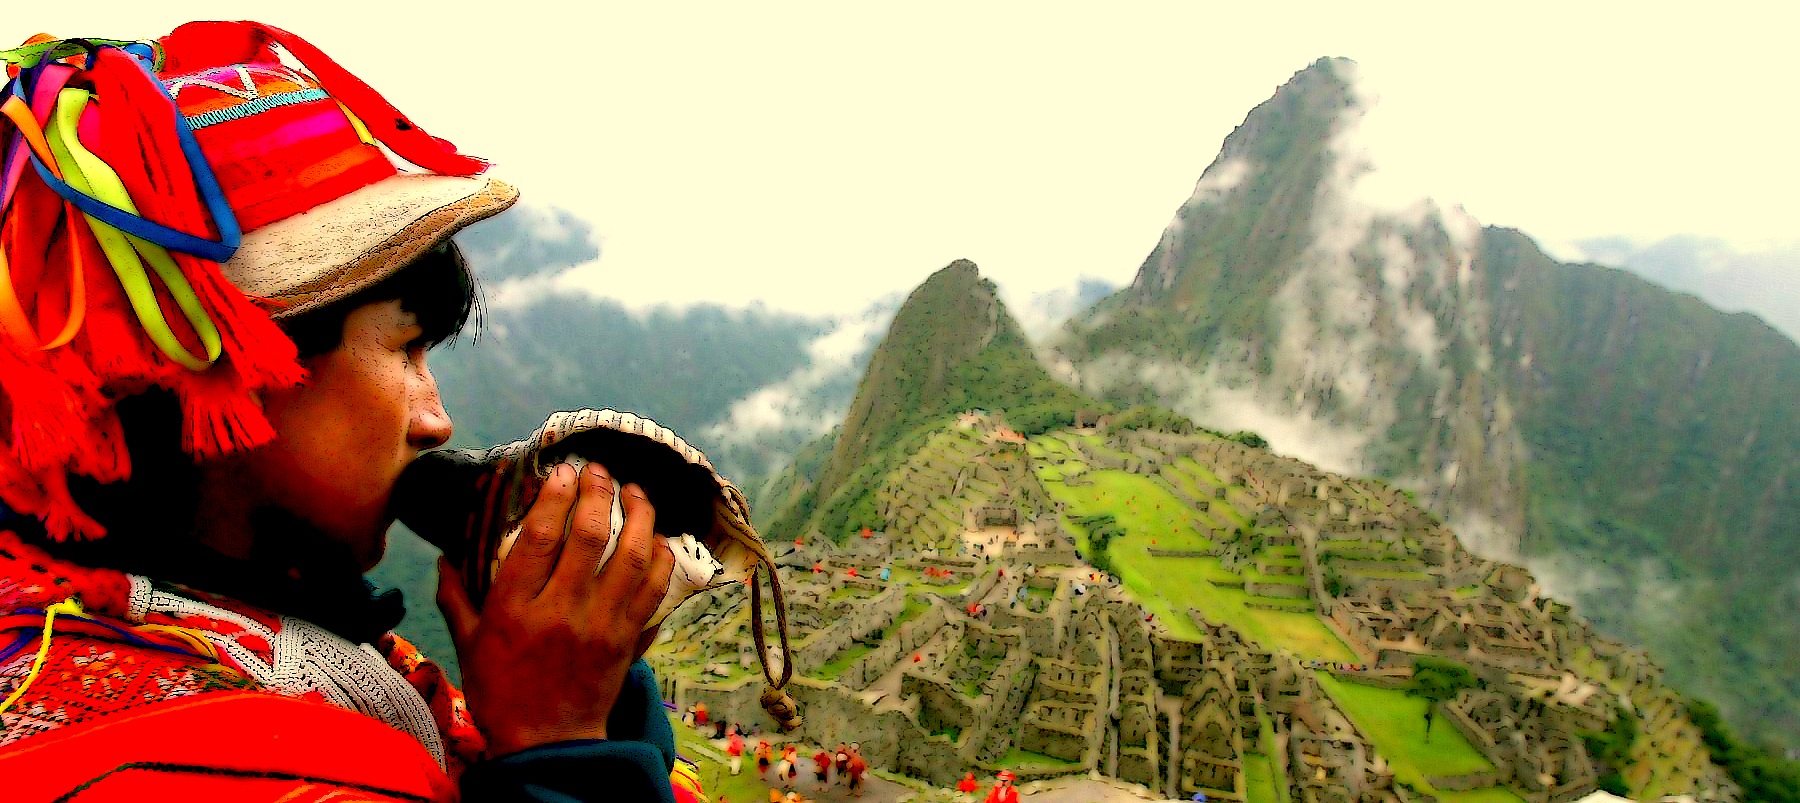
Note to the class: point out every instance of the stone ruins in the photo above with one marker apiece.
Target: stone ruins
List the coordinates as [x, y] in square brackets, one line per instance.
[969, 635]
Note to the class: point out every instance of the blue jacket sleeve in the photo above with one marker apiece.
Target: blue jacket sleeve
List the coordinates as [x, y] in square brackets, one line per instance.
[632, 764]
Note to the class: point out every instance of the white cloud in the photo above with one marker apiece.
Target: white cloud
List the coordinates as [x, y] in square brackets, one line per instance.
[762, 430]
[1042, 313]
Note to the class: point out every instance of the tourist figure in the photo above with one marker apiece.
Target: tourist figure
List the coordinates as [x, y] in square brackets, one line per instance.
[965, 788]
[858, 767]
[822, 765]
[700, 714]
[1004, 791]
[843, 761]
[734, 749]
[764, 755]
[784, 769]
[791, 757]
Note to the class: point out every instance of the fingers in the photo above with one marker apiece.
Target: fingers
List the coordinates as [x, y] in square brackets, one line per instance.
[628, 571]
[459, 612]
[533, 557]
[590, 529]
[650, 593]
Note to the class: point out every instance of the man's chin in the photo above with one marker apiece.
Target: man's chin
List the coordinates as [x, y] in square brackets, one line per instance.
[369, 559]
[369, 551]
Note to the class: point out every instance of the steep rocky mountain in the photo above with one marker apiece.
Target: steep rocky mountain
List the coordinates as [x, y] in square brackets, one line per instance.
[952, 347]
[1639, 449]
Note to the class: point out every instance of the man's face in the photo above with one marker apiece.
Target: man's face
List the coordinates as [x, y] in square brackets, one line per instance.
[369, 408]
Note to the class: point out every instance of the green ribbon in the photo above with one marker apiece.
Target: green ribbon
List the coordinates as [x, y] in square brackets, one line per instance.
[28, 56]
[90, 175]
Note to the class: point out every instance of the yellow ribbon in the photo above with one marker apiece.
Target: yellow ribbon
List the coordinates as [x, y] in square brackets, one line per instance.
[90, 175]
[68, 606]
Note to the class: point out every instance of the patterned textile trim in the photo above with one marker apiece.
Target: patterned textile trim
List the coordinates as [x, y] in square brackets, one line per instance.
[304, 659]
[257, 106]
[98, 671]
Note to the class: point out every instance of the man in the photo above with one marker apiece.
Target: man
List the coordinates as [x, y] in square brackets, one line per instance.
[1004, 791]
[965, 788]
[858, 768]
[189, 494]
[734, 749]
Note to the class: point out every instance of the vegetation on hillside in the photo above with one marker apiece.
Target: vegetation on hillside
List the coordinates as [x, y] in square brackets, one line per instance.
[1667, 431]
[682, 368]
[952, 347]
[1648, 439]
[1764, 776]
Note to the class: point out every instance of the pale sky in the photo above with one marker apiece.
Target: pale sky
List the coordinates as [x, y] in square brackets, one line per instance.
[819, 156]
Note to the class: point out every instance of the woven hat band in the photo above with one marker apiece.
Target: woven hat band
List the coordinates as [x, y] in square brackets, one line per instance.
[278, 142]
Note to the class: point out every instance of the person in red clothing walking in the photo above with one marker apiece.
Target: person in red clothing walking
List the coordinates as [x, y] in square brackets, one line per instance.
[822, 765]
[791, 757]
[734, 747]
[965, 788]
[858, 767]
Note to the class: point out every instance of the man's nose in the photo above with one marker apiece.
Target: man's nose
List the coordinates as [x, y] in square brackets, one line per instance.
[430, 426]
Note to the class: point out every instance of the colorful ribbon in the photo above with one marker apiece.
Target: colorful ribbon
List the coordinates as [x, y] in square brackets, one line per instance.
[50, 126]
[88, 175]
[68, 606]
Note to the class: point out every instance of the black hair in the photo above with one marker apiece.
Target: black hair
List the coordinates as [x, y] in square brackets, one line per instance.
[437, 287]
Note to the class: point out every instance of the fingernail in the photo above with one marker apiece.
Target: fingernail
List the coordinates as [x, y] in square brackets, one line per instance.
[565, 472]
[632, 489]
[596, 469]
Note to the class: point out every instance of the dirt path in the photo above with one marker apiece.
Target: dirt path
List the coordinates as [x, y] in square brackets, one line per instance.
[1082, 790]
[834, 790]
[886, 690]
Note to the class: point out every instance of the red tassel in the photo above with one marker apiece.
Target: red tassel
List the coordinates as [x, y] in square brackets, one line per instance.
[46, 413]
[254, 345]
[63, 519]
[219, 417]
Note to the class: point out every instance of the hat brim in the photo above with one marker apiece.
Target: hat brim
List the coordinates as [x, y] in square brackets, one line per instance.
[340, 248]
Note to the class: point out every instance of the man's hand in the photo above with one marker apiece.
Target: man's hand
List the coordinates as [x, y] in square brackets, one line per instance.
[546, 657]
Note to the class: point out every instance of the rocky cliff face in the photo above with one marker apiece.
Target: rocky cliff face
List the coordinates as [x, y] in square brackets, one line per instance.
[1636, 447]
[952, 347]
[1289, 297]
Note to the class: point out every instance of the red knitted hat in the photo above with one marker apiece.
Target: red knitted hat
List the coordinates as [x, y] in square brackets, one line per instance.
[159, 203]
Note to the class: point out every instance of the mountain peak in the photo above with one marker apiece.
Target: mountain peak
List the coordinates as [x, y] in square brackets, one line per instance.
[1250, 200]
[952, 347]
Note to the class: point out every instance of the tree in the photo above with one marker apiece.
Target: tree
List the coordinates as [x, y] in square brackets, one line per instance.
[1438, 680]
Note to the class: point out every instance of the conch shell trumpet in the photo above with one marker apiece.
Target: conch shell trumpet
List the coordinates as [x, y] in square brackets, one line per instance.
[470, 503]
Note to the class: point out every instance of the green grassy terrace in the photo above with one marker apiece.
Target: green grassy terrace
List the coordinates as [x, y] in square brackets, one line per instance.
[1395, 722]
[1168, 586]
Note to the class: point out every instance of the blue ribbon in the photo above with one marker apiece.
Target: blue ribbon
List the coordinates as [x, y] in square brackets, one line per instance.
[230, 237]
